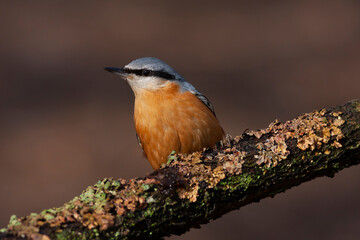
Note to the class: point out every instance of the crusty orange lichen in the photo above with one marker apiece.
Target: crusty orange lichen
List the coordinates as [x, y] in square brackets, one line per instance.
[233, 160]
[196, 170]
[311, 131]
[92, 208]
[272, 151]
[316, 130]
[109, 202]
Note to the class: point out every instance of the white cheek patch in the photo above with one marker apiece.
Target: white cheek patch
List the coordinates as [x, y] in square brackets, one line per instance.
[146, 83]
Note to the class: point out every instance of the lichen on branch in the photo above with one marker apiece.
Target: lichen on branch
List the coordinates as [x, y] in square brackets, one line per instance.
[192, 189]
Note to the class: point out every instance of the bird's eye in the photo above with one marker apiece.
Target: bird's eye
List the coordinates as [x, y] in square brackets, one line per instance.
[145, 72]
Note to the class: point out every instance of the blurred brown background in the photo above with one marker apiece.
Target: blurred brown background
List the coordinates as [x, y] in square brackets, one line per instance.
[66, 123]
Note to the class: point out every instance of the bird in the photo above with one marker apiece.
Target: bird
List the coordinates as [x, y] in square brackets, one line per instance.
[169, 113]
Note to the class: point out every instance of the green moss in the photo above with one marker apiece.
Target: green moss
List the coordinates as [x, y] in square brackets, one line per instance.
[96, 232]
[64, 235]
[14, 221]
[356, 146]
[357, 106]
[242, 181]
[87, 196]
[100, 196]
[163, 211]
[116, 184]
[145, 187]
[99, 184]
[171, 157]
[48, 217]
[149, 212]
[33, 215]
[107, 185]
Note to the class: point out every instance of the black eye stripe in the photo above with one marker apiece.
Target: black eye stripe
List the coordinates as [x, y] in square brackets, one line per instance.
[145, 72]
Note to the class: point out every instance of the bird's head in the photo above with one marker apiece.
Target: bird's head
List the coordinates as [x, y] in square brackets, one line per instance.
[148, 73]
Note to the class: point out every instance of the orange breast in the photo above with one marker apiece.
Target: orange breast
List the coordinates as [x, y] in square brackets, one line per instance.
[168, 120]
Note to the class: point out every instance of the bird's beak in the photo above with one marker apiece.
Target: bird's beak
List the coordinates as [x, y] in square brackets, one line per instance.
[117, 71]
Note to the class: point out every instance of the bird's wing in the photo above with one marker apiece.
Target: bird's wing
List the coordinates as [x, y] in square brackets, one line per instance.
[188, 87]
[206, 101]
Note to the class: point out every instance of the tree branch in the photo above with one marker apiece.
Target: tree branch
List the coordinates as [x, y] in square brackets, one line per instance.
[193, 189]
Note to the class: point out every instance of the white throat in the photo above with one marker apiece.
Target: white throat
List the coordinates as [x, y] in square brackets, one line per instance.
[139, 84]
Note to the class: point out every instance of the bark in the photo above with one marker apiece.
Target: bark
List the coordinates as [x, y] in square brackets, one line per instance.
[193, 189]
